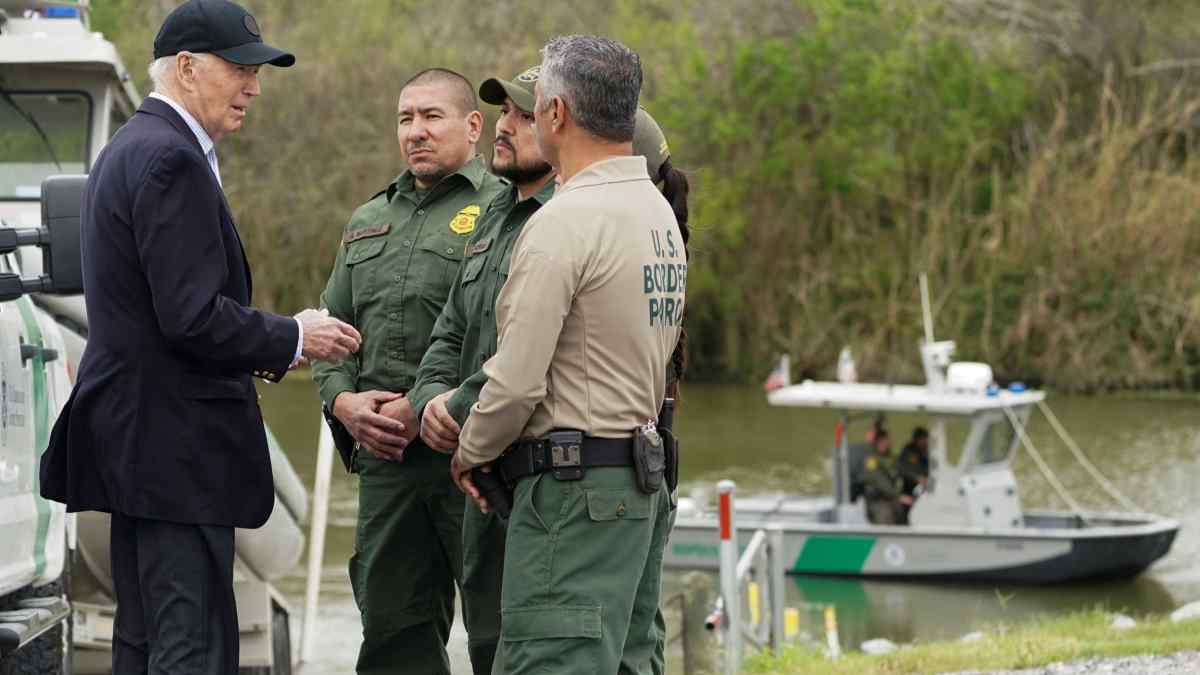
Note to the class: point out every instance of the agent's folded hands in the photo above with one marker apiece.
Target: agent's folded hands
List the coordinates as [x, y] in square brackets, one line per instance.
[439, 430]
[327, 338]
[374, 424]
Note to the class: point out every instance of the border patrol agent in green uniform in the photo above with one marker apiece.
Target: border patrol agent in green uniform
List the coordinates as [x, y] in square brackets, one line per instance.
[399, 256]
[588, 319]
[882, 483]
[465, 336]
[913, 467]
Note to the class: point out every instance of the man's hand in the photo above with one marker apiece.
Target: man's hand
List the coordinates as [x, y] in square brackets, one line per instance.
[326, 338]
[460, 473]
[438, 428]
[906, 500]
[382, 436]
[401, 410]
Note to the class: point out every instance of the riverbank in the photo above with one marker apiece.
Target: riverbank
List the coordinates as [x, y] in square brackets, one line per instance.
[1035, 644]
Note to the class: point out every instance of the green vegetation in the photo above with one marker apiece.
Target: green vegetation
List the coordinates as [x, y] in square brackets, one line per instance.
[1037, 643]
[1037, 160]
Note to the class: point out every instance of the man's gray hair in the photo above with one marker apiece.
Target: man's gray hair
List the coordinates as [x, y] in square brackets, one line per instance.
[598, 78]
[161, 68]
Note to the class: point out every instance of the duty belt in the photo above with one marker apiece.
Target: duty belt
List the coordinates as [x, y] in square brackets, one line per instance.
[566, 453]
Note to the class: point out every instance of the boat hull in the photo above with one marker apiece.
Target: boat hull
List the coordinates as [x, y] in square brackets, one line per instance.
[1052, 548]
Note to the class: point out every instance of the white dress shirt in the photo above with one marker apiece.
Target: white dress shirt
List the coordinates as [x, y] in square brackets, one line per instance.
[209, 148]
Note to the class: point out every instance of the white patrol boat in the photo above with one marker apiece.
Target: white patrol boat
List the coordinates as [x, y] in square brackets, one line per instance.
[968, 524]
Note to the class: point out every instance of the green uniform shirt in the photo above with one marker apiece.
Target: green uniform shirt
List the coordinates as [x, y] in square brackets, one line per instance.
[465, 334]
[879, 473]
[913, 467]
[399, 256]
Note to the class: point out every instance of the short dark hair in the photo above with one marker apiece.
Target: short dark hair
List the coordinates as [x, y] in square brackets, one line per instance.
[919, 433]
[598, 78]
[463, 91]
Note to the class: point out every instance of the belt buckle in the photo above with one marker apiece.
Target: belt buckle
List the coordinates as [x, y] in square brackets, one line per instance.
[566, 454]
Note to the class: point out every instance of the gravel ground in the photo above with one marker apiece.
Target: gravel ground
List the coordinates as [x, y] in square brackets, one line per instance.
[1184, 663]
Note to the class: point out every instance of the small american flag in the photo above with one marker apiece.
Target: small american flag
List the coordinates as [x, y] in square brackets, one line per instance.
[780, 375]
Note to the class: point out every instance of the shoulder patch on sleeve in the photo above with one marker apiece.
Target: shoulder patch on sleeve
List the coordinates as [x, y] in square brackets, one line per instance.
[872, 464]
[364, 232]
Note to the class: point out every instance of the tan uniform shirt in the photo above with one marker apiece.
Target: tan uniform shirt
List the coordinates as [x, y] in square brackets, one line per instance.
[589, 316]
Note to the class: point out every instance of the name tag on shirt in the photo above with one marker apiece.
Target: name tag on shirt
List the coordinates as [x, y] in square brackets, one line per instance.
[364, 232]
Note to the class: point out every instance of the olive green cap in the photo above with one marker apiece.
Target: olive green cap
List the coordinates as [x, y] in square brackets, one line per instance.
[650, 142]
[519, 89]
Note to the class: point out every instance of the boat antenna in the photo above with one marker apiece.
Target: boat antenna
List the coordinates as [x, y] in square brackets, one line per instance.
[926, 310]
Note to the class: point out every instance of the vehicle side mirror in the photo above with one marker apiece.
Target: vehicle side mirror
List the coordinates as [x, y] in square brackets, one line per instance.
[63, 264]
[62, 198]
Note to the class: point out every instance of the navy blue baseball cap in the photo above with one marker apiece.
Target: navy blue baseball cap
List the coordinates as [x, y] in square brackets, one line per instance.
[217, 27]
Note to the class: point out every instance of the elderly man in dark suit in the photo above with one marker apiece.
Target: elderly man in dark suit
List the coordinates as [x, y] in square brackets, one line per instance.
[163, 428]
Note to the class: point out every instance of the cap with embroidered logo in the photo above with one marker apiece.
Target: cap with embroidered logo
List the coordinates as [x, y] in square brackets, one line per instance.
[217, 27]
[519, 89]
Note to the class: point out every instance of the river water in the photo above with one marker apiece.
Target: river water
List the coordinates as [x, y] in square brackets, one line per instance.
[1149, 446]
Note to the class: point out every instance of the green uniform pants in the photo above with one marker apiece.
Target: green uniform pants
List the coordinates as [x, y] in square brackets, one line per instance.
[407, 558]
[483, 572]
[883, 511]
[582, 577]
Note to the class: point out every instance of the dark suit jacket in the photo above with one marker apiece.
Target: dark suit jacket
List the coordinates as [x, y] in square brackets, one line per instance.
[163, 422]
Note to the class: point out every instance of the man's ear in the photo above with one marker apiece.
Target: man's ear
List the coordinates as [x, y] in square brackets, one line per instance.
[474, 125]
[187, 67]
[558, 114]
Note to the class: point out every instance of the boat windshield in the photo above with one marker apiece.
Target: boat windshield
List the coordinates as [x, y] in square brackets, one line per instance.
[992, 439]
[997, 442]
[41, 134]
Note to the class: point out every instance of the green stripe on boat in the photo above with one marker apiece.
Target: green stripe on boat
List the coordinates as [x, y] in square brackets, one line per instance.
[41, 433]
[834, 554]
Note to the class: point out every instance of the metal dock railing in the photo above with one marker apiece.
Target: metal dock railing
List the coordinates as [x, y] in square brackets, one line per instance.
[752, 604]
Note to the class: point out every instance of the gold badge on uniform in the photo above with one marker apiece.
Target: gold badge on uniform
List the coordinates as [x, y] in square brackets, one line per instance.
[464, 221]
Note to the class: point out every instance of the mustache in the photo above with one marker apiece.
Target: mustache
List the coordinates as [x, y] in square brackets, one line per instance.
[413, 147]
[506, 141]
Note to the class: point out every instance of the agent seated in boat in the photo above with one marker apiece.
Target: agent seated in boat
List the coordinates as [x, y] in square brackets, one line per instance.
[913, 467]
[882, 483]
[857, 456]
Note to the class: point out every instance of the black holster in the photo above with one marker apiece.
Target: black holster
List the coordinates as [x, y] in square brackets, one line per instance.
[494, 489]
[666, 421]
[649, 459]
[342, 440]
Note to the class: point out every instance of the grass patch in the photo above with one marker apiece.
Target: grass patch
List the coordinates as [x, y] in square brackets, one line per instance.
[1029, 645]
